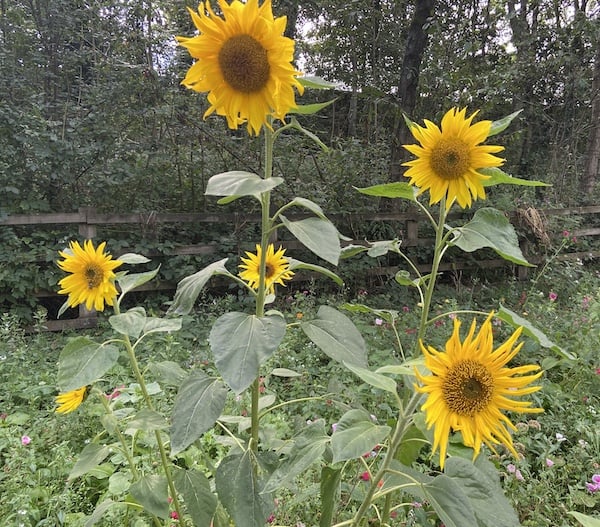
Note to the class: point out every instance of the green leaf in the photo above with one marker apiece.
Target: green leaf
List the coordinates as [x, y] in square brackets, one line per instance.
[151, 492]
[307, 449]
[284, 372]
[530, 330]
[82, 362]
[161, 325]
[316, 83]
[309, 205]
[499, 177]
[128, 282]
[376, 380]
[91, 456]
[297, 264]
[130, 323]
[330, 494]
[337, 337]
[356, 434]
[502, 124]
[133, 259]
[310, 109]
[168, 372]
[236, 184]
[190, 287]
[239, 491]
[200, 502]
[490, 228]
[147, 420]
[317, 234]
[406, 368]
[397, 189]
[481, 485]
[198, 405]
[100, 510]
[241, 343]
[412, 443]
[584, 519]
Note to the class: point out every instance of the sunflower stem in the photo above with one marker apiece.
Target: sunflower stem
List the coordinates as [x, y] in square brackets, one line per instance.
[139, 377]
[438, 253]
[402, 425]
[265, 229]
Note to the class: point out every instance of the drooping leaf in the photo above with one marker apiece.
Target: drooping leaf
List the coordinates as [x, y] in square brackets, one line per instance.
[240, 492]
[336, 335]
[241, 343]
[83, 361]
[397, 189]
[530, 330]
[130, 323]
[330, 493]
[133, 259]
[499, 177]
[150, 491]
[168, 372]
[100, 510]
[502, 124]
[356, 434]
[297, 264]
[91, 456]
[308, 447]
[198, 405]
[316, 83]
[584, 519]
[376, 380]
[310, 109]
[190, 287]
[490, 228]
[236, 184]
[200, 502]
[317, 234]
[147, 420]
[309, 205]
[130, 281]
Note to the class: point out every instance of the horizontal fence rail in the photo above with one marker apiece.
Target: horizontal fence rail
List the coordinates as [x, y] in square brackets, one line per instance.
[532, 222]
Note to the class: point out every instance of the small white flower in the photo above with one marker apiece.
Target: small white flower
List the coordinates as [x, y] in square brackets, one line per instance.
[560, 438]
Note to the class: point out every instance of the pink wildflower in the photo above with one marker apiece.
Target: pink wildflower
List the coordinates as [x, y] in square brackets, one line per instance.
[552, 296]
[549, 462]
[365, 476]
[378, 322]
[25, 440]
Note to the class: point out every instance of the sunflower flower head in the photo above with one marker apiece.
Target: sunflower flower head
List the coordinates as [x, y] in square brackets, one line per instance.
[243, 61]
[470, 386]
[276, 268]
[449, 158]
[69, 401]
[91, 278]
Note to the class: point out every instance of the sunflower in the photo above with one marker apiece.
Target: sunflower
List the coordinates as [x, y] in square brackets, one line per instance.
[91, 279]
[70, 401]
[244, 62]
[276, 268]
[449, 158]
[470, 386]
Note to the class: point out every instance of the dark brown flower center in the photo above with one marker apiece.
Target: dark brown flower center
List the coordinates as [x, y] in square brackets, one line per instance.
[269, 271]
[93, 275]
[244, 64]
[450, 158]
[468, 387]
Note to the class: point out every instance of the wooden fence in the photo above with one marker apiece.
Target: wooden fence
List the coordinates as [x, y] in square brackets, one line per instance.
[532, 222]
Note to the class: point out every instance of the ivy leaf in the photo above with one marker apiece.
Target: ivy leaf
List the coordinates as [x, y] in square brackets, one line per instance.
[490, 228]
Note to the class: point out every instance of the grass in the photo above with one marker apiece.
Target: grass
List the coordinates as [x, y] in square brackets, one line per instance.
[561, 447]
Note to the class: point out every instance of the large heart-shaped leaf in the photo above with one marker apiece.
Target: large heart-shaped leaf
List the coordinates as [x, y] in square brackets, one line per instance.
[200, 502]
[83, 361]
[490, 228]
[198, 405]
[150, 491]
[337, 337]
[356, 434]
[241, 343]
[317, 234]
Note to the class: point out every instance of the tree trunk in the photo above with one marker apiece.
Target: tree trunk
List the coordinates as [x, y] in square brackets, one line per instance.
[592, 163]
[409, 80]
